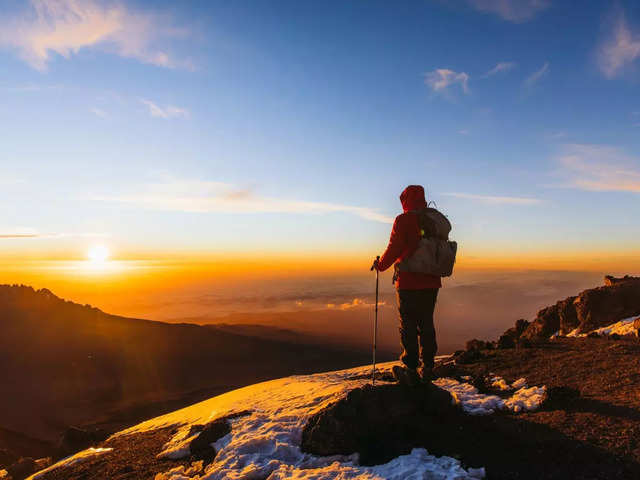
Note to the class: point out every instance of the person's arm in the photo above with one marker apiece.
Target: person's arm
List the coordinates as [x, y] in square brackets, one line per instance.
[396, 247]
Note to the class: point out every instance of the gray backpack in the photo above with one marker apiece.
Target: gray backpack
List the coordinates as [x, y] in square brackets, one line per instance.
[436, 254]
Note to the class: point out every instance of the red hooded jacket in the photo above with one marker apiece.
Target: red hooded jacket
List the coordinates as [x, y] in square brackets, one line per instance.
[404, 240]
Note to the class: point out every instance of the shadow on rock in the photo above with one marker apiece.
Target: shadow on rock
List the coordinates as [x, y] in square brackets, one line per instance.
[384, 422]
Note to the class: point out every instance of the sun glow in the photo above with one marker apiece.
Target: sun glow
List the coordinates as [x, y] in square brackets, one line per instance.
[98, 255]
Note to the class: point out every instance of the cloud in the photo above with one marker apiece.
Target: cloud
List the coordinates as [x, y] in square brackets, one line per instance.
[620, 49]
[217, 197]
[536, 76]
[516, 11]
[167, 112]
[500, 68]
[496, 200]
[99, 112]
[26, 232]
[65, 27]
[440, 79]
[599, 168]
[464, 131]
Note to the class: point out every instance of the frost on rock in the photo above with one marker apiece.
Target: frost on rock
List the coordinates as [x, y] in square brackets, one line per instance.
[265, 443]
[622, 328]
[476, 403]
[73, 459]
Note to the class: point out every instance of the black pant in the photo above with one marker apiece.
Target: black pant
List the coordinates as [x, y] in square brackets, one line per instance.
[416, 322]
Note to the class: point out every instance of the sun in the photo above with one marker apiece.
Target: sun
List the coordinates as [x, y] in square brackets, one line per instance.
[98, 254]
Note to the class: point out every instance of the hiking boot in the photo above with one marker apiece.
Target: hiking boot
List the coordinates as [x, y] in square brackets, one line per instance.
[406, 376]
[426, 375]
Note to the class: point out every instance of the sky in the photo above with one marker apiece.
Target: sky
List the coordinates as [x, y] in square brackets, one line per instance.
[279, 134]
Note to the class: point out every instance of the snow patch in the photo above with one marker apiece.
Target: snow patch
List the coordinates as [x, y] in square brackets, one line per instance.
[266, 442]
[622, 328]
[73, 459]
[520, 383]
[475, 403]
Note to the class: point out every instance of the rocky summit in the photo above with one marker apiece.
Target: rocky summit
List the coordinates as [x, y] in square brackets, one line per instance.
[617, 299]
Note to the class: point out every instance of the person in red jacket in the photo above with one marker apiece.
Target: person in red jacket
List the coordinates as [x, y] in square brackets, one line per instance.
[417, 292]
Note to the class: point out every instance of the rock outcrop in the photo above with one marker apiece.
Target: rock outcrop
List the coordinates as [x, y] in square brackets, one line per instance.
[379, 422]
[598, 307]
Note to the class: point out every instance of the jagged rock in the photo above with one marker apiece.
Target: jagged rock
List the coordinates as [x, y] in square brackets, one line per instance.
[75, 439]
[591, 309]
[636, 325]
[524, 343]
[377, 422]
[509, 339]
[201, 447]
[22, 468]
[475, 344]
[467, 356]
[603, 306]
[610, 280]
[506, 341]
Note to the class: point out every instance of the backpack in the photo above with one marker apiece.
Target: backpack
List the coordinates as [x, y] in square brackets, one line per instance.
[436, 254]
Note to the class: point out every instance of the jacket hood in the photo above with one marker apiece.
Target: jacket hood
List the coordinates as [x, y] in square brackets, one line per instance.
[412, 198]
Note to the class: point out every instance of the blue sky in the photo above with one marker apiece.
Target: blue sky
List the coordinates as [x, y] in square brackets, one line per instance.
[289, 126]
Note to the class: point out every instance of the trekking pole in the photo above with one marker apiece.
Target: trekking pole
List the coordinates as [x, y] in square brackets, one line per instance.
[375, 324]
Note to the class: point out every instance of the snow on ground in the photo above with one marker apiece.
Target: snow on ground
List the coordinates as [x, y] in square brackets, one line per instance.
[475, 403]
[266, 441]
[623, 327]
[78, 457]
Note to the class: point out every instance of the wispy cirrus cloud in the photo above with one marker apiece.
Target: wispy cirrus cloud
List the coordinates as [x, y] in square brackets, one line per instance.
[536, 76]
[167, 112]
[599, 168]
[186, 195]
[501, 67]
[30, 233]
[496, 200]
[65, 27]
[516, 11]
[619, 49]
[441, 79]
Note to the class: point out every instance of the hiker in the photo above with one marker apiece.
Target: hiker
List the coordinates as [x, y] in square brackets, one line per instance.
[417, 280]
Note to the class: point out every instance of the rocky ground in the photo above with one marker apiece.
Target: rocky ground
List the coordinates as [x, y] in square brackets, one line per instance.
[589, 428]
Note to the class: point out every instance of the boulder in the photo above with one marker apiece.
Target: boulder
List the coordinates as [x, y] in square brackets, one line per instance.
[509, 339]
[378, 423]
[201, 447]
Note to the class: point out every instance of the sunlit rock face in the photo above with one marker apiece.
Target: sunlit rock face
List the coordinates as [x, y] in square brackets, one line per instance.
[595, 308]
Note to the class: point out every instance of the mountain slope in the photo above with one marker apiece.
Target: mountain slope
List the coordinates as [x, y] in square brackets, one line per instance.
[586, 429]
[67, 364]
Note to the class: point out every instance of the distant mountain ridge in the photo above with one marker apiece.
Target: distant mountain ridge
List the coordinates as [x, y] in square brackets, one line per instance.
[66, 364]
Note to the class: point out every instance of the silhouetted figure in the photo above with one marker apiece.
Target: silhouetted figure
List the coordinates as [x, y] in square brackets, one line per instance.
[418, 238]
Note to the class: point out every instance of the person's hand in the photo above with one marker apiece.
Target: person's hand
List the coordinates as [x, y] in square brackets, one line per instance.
[375, 263]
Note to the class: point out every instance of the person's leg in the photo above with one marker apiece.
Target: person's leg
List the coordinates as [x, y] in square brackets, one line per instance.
[426, 329]
[409, 313]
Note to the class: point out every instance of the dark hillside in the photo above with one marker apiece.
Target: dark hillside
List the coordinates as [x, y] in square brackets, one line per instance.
[66, 364]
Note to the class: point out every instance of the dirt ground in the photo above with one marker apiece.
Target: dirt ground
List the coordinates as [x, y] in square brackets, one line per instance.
[588, 429]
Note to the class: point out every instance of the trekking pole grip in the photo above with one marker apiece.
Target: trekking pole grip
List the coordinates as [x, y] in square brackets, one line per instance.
[375, 263]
